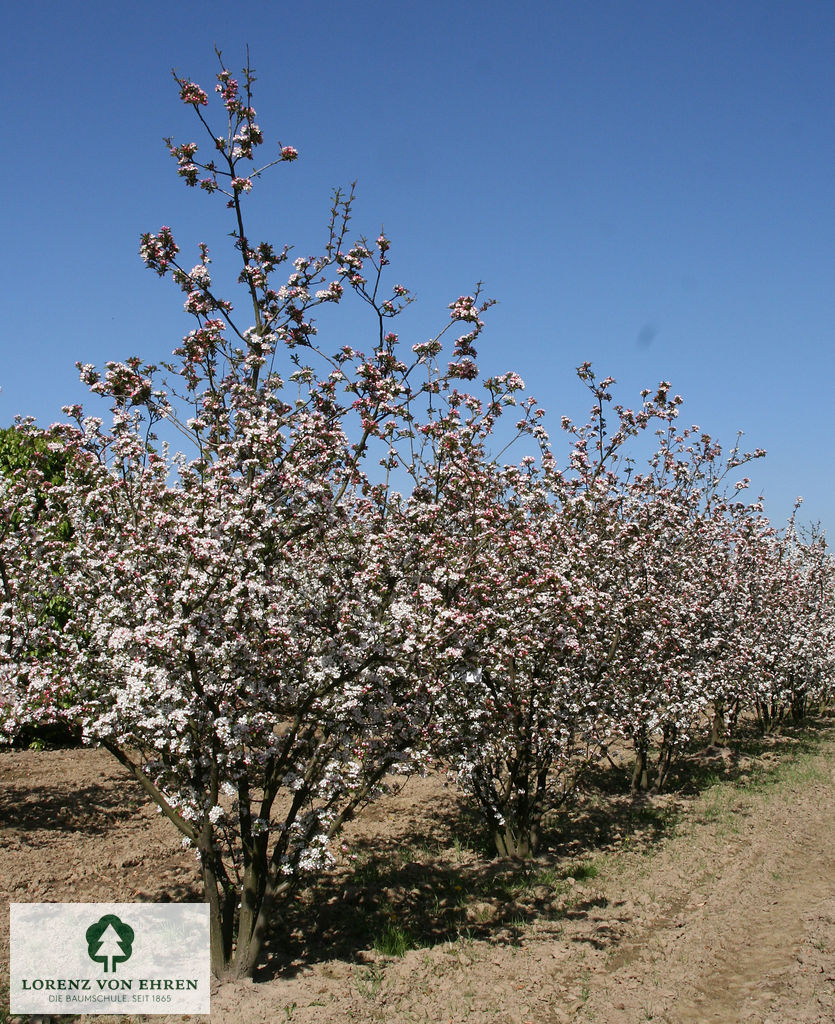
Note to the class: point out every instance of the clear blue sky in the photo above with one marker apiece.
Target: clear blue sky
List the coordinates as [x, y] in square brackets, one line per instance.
[647, 185]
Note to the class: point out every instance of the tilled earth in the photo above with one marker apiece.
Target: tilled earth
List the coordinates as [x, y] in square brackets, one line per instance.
[716, 905]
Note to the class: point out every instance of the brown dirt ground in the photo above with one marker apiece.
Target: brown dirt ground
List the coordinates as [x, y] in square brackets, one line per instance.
[714, 905]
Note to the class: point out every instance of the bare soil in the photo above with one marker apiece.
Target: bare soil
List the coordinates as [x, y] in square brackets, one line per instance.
[716, 904]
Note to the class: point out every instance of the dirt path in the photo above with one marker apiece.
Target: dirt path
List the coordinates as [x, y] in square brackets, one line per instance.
[746, 926]
[730, 918]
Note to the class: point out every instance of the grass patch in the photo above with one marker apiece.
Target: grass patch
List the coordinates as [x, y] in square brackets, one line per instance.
[394, 941]
[368, 981]
[583, 872]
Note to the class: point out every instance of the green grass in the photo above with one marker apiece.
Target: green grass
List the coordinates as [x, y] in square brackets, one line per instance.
[393, 940]
[583, 872]
[368, 980]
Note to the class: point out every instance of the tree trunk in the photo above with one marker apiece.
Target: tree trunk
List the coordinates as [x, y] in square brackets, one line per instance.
[247, 945]
[518, 842]
[254, 925]
[640, 779]
[221, 919]
[733, 717]
[665, 759]
[717, 724]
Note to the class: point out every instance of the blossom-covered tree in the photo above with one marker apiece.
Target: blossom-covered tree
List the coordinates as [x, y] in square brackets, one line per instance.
[529, 583]
[677, 540]
[517, 697]
[239, 628]
[789, 587]
[28, 470]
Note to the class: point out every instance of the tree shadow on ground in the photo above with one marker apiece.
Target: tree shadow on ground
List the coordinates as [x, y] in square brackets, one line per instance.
[603, 813]
[437, 880]
[95, 809]
[392, 899]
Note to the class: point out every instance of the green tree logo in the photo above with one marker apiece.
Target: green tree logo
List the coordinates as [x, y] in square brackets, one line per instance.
[109, 940]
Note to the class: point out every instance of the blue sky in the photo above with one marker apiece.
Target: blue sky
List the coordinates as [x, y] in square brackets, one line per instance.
[646, 185]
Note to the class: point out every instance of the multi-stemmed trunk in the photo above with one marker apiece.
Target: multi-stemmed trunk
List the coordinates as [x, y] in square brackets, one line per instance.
[513, 803]
[239, 916]
[640, 770]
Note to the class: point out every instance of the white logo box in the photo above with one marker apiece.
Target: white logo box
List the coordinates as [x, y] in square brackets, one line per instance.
[109, 958]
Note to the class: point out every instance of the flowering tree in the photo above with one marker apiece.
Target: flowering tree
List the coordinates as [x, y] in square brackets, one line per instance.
[517, 697]
[239, 629]
[586, 602]
[640, 567]
[678, 640]
[528, 583]
[789, 587]
[28, 470]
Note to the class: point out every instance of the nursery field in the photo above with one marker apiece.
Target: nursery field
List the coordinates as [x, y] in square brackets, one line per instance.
[716, 903]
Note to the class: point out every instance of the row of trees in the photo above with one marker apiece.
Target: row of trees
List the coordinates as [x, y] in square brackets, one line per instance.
[333, 579]
[594, 605]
